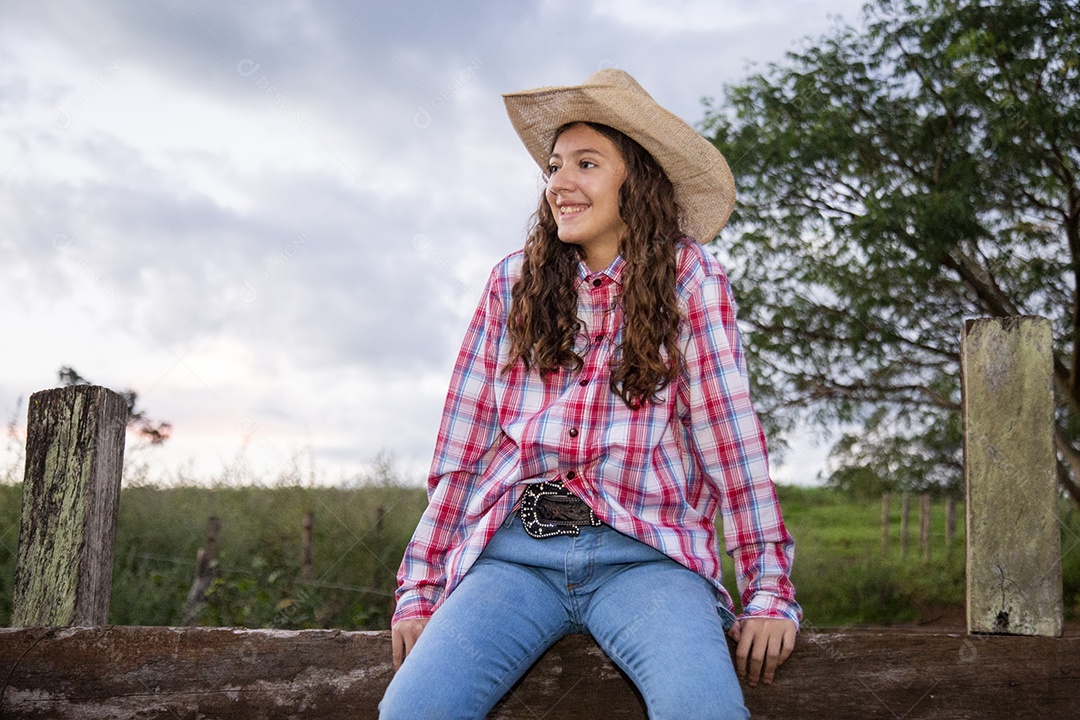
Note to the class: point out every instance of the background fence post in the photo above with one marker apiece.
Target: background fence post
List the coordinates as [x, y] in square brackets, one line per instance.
[205, 572]
[905, 514]
[950, 520]
[924, 526]
[307, 552]
[885, 523]
[1013, 540]
[71, 495]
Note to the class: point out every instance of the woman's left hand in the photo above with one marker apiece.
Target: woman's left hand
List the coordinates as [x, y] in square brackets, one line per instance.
[404, 635]
[764, 645]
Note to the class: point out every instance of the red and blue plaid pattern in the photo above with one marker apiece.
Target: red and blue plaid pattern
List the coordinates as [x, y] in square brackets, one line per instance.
[659, 473]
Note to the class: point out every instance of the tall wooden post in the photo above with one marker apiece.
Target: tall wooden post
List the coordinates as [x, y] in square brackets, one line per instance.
[1013, 540]
[71, 495]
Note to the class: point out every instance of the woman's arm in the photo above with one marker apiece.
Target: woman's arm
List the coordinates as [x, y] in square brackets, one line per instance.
[729, 445]
[467, 433]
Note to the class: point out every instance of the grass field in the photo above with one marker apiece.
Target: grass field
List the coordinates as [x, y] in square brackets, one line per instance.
[841, 576]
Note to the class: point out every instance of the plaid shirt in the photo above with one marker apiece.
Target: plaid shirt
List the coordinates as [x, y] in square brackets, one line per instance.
[659, 473]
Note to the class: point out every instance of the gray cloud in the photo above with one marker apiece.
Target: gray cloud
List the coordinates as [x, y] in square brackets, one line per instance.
[312, 193]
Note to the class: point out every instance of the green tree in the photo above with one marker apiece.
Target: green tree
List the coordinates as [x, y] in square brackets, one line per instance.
[894, 181]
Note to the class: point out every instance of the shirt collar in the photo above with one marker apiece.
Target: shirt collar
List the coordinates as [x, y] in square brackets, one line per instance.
[612, 271]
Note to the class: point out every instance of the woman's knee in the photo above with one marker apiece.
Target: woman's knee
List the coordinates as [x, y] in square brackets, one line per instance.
[399, 706]
[433, 700]
[691, 705]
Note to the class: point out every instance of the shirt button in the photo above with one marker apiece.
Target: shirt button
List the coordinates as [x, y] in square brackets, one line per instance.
[573, 432]
[597, 282]
[571, 475]
[583, 383]
[599, 338]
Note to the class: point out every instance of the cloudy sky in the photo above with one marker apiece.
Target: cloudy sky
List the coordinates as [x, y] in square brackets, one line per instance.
[273, 219]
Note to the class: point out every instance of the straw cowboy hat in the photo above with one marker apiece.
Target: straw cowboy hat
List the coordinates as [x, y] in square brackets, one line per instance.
[704, 187]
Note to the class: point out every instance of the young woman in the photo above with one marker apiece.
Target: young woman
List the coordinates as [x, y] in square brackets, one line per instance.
[598, 419]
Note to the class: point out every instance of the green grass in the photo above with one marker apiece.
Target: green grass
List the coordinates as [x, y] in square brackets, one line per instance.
[10, 497]
[359, 537]
[840, 574]
[842, 577]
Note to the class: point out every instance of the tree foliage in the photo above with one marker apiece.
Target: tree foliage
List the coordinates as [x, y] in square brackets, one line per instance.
[894, 181]
[153, 431]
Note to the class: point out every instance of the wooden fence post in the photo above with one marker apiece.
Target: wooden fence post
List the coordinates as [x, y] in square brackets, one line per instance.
[924, 526]
[905, 514]
[885, 523]
[1013, 540]
[71, 496]
[307, 553]
[205, 572]
[950, 519]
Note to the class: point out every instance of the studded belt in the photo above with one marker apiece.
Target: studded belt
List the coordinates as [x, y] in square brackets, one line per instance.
[548, 509]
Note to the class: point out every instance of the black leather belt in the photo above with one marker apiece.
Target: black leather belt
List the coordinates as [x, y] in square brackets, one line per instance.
[548, 509]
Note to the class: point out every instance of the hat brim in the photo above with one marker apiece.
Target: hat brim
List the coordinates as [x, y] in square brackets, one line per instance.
[704, 186]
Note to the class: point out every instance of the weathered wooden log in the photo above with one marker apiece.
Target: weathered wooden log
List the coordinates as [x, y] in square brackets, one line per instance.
[1010, 472]
[71, 495]
[227, 674]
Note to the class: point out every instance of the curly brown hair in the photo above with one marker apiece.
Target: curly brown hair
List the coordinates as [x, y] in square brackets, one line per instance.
[543, 318]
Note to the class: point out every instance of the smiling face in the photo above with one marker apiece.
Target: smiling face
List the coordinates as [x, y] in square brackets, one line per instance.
[585, 172]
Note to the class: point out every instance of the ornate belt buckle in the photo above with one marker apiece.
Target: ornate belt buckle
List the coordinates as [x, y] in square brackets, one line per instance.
[548, 509]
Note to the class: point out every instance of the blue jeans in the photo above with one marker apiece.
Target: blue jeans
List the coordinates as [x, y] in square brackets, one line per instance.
[656, 619]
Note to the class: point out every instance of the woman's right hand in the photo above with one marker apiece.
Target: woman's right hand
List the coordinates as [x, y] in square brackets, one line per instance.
[404, 635]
